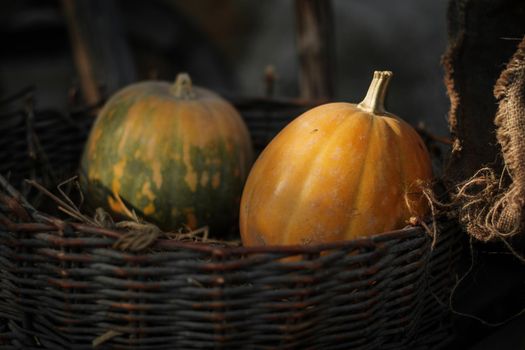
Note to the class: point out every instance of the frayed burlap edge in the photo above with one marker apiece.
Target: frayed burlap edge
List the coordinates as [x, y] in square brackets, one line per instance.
[448, 61]
[492, 205]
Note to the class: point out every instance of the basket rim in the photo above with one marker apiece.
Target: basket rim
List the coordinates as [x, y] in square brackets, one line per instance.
[34, 221]
[54, 224]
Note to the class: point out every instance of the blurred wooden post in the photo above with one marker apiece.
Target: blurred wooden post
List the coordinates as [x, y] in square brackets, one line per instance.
[80, 50]
[100, 49]
[315, 47]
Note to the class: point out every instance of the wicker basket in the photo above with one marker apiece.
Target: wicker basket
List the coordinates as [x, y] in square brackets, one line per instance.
[63, 285]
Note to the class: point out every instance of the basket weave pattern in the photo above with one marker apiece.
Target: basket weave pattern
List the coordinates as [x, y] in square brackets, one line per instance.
[64, 286]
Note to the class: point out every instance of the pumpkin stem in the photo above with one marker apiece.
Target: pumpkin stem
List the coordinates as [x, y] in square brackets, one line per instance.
[182, 88]
[374, 101]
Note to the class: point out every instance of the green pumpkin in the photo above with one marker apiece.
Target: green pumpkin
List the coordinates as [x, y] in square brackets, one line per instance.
[175, 154]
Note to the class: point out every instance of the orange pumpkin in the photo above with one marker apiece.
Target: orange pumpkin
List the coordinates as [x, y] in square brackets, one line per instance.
[337, 172]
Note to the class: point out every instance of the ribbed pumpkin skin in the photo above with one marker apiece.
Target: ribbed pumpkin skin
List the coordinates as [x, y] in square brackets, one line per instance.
[176, 161]
[334, 173]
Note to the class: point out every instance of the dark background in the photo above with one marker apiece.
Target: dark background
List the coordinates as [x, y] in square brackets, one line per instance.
[226, 45]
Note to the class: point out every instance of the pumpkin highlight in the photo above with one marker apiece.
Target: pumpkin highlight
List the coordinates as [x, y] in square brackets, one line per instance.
[337, 172]
[176, 154]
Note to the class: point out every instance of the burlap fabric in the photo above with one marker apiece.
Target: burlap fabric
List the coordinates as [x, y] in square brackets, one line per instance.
[506, 216]
[486, 172]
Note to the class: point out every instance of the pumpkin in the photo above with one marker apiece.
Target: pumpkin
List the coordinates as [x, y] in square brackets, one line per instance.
[176, 154]
[337, 172]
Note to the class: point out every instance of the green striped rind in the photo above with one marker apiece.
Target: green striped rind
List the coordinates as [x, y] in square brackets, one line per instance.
[210, 198]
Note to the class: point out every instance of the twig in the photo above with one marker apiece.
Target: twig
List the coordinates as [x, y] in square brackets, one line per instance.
[191, 235]
[59, 187]
[62, 205]
[17, 195]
